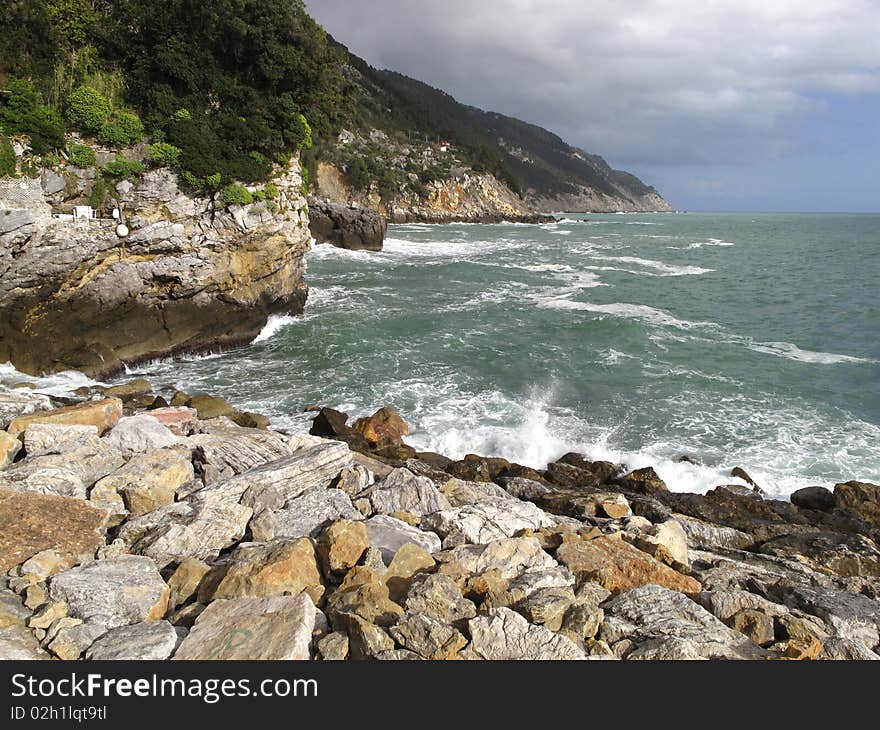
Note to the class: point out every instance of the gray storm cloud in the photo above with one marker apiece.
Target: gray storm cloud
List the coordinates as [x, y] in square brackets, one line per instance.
[640, 81]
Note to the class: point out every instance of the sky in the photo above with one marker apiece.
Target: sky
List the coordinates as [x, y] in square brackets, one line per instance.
[722, 105]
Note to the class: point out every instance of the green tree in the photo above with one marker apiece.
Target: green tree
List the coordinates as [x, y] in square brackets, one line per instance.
[24, 113]
[7, 158]
[122, 129]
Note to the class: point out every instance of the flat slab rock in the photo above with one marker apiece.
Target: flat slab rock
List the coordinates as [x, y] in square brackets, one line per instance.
[491, 519]
[15, 403]
[651, 622]
[403, 491]
[102, 414]
[252, 629]
[304, 516]
[148, 641]
[505, 635]
[113, 592]
[32, 523]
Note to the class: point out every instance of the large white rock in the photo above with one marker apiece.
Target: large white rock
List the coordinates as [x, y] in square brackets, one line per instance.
[488, 520]
[389, 534]
[504, 635]
[403, 491]
[114, 592]
[304, 516]
[136, 434]
[265, 629]
[510, 557]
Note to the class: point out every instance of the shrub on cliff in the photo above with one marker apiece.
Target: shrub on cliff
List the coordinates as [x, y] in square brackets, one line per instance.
[235, 194]
[7, 158]
[25, 113]
[81, 155]
[88, 109]
[123, 129]
[122, 169]
[162, 154]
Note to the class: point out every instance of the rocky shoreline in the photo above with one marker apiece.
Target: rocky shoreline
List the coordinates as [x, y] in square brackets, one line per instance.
[151, 524]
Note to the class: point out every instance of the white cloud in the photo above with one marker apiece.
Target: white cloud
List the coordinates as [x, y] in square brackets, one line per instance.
[648, 81]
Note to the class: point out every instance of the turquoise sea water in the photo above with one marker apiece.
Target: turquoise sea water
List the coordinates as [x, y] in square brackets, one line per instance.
[746, 340]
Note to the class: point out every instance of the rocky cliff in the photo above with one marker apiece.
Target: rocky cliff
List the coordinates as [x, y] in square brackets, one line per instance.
[191, 274]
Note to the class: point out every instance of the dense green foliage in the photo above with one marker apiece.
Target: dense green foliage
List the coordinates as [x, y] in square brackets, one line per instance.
[81, 155]
[7, 158]
[123, 169]
[162, 154]
[235, 194]
[232, 84]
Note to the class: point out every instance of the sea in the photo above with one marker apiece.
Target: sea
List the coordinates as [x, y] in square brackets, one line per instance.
[735, 340]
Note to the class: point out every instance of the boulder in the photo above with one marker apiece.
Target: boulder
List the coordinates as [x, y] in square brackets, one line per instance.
[389, 535]
[439, 597]
[427, 637]
[486, 521]
[104, 415]
[757, 625]
[641, 481]
[620, 567]
[131, 389]
[507, 559]
[847, 650]
[135, 435]
[265, 629]
[15, 403]
[263, 570]
[860, 498]
[334, 647]
[363, 593]
[505, 635]
[33, 523]
[403, 491]
[151, 479]
[39, 437]
[17, 643]
[245, 419]
[408, 562]
[524, 488]
[180, 420]
[344, 227]
[461, 493]
[209, 406]
[341, 546]
[113, 592]
[815, 498]
[184, 581]
[304, 516]
[67, 471]
[148, 641]
[702, 534]
[365, 640]
[230, 453]
[384, 427]
[547, 606]
[652, 622]
[849, 615]
[9, 448]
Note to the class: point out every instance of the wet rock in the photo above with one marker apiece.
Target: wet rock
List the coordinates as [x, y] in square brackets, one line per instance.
[114, 592]
[33, 523]
[341, 546]
[486, 521]
[403, 491]
[344, 227]
[505, 635]
[265, 629]
[642, 481]
[263, 570]
[149, 641]
[620, 567]
[384, 427]
[124, 391]
[860, 498]
[151, 479]
[652, 622]
[740, 473]
[389, 535]
[815, 498]
[137, 434]
[571, 477]
[104, 415]
[428, 637]
[304, 516]
[209, 407]
[439, 597]
[604, 471]
[251, 420]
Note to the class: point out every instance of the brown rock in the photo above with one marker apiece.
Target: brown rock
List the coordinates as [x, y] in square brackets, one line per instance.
[251, 420]
[104, 415]
[34, 522]
[9, 448]
[209, 406]
[180, 421]
[860, 498]
[128, 390]
[642, 481]
[808, 648]
[758, 626]
[366, 640]
[184, 581]
[620, 567]
[385, 426]
[364, 593]
[341, 546]
[262, 570]
[408, 561]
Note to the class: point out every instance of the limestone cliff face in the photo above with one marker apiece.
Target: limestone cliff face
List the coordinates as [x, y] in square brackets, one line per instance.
[592, 201]
[468, 197]
[191, 276]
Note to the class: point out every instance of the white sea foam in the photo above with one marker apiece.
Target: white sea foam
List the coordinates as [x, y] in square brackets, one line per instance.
[793, 352]
[639, 312]
[663, 268]
[276, 323]
[61, 384]
[711, 242]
